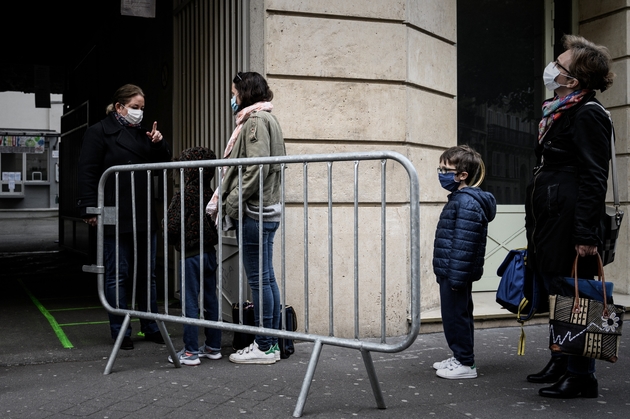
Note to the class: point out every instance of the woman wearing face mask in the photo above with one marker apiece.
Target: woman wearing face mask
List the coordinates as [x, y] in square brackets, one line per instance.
[116, 140]
[257, 134]
[565, 201]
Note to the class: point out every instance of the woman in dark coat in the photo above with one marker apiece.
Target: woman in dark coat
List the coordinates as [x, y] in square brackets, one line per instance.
[116, 140]
[565, 201]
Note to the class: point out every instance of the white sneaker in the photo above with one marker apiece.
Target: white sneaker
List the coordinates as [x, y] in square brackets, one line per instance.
[443, 364]
[253, 355]
[457, 371]
[186, 358]
[205, 352]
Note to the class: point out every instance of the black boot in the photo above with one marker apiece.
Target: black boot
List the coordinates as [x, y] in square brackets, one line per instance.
[571, 386]
[555, 368]
[154, 337]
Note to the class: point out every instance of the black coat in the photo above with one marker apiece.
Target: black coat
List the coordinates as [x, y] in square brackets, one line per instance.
[106, 144]
[565, 201]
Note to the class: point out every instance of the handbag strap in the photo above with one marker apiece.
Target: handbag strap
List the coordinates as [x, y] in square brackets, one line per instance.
[613, 164]
[600, 275]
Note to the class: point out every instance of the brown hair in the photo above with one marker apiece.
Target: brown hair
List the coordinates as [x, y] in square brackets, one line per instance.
[123, 95]
[590, 64]
[466, 159]
[251, 88]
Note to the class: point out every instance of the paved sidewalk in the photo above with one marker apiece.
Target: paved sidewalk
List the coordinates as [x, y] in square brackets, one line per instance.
[40, 378]
[143, 384]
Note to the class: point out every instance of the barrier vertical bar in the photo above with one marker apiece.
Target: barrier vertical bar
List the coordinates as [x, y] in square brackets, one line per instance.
[165, 242]
[283, 283]
[356, 249]
[240, 245]
[260, 246]
[149, 252]
[219, 224]
[383, 250]
[135, 239]
[117, 243]
[182, 242]
[331, 319]
[202, 256]
[306, 287]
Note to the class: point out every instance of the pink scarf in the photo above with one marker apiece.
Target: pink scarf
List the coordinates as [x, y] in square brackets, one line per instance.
[242, 116]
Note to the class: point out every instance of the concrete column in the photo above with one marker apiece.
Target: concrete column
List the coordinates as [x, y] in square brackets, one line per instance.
[358, 75]
[607, 23]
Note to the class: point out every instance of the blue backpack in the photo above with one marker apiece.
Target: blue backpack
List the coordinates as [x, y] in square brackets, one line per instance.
[520, 291]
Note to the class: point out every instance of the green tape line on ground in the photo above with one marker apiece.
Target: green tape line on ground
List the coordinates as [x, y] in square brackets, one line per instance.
[89, 323]
[60, 334]
[76, 308]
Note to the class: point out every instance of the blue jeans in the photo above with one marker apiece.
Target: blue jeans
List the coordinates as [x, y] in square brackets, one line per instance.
[458, 322]
[125, 279]
[211, 303]
[270, 291]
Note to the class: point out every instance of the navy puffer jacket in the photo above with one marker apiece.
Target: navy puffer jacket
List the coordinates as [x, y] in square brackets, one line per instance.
[460, 238]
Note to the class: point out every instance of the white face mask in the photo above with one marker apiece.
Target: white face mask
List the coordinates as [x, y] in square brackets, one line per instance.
[549, 77]
[134, 116]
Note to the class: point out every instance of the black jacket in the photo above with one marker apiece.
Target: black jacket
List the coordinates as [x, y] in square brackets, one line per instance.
[565, 201]
[191, 207]
[105, 144]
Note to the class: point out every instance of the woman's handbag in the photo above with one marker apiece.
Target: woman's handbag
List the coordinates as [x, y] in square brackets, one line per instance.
[243, 340]
[591, 288]
[584, 326]
[287, 348]
[614, 215]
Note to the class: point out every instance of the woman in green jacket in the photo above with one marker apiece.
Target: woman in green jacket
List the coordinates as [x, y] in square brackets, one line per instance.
[257, 134]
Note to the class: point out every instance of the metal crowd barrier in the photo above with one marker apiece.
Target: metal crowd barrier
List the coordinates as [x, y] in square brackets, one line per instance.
[352, 198]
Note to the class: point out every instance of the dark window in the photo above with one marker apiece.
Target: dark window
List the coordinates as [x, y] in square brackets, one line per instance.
[499, 77]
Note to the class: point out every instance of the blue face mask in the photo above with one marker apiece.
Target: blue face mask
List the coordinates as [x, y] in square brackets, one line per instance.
[233, 104]
[448, 182]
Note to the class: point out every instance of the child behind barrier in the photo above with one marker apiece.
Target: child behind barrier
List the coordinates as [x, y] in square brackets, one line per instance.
[190, 274]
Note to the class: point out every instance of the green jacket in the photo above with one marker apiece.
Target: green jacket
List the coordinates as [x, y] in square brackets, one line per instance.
[261, 136]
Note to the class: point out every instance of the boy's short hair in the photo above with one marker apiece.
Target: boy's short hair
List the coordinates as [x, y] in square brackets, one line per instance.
[465, 159]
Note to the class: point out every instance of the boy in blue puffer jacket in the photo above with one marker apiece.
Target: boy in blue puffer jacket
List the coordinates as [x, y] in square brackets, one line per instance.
[458, 255]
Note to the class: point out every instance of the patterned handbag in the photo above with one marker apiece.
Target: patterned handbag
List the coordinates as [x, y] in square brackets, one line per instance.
[583, 326]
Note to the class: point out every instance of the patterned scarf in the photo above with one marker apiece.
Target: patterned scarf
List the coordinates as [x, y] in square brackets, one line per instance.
[242, 116]
[552, 110]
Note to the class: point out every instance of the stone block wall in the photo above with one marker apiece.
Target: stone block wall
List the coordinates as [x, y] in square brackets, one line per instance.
[608, 23]
[359, 75]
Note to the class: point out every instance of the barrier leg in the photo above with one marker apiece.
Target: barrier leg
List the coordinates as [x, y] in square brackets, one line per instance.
[376, 388]
[169, 344]
[308, 379]
[119, 339]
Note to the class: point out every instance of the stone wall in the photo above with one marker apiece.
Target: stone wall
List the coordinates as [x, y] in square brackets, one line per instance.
[608, 23]
[358, 75]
